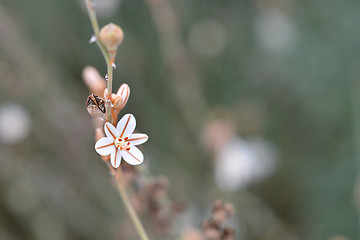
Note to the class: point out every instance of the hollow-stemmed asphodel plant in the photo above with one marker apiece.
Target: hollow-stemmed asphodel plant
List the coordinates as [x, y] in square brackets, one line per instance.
[119, 142]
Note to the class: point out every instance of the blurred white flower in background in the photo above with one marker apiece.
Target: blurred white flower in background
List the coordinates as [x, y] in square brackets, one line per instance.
[275, 31]
[15, 123]
[207, 38]
[240, 163]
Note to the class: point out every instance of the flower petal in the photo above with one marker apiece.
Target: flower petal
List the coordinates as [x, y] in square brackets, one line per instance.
[110, 130]
[115, 158]
[126, 125]
[137, 138]
[124, 93]
[134, 156]
[104, 146]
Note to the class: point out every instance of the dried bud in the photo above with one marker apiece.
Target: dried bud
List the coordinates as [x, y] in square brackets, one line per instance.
[192, 234]
[219, 215]
[94, 81]
[230, 210]
[228, 233]
[218, 204]
[158, 187]
[111, 36]
[122, 96]
[222, 211]
[212, 230]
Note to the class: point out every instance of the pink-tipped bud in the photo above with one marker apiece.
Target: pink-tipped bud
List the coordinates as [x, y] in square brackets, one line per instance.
[111, 36]
[122, 96]
[94, 81]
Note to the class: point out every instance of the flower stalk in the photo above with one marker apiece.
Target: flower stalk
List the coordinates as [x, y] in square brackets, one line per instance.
[130, 209]
[111, 114]
[90, 5]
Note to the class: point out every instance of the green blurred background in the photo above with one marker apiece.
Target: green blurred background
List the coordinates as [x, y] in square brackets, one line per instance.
[283, 74]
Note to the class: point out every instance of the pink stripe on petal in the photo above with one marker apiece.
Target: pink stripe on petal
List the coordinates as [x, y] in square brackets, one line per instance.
[115, 158]
[137, 138]
[133, 157]
[126, 125]
[105, 146]
[110, 130]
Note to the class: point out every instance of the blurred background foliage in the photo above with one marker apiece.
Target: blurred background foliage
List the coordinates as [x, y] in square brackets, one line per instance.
[282, 72]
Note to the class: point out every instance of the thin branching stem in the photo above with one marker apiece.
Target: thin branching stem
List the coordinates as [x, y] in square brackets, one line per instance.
[90, 5]
[110, 68]
[130, 209]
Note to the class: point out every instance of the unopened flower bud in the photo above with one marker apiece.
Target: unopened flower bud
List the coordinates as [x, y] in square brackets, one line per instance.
[111, 36]
[94, 81]
[122, 96]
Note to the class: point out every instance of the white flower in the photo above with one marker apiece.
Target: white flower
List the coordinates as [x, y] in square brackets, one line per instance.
[121, 142]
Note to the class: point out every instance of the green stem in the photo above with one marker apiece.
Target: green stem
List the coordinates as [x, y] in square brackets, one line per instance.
[110, 70]
[131, 211]
[90, 5]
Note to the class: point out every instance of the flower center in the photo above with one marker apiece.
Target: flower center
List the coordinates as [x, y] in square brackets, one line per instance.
[122, 144]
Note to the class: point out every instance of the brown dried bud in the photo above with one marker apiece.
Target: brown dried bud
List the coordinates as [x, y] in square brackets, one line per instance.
[212, 230]
[122, 96]
[158, 187]
[219, 215]
[192, 234]
[230, 209]
[222, 211]
[218, 204]
[94, 81]
[111, 36]
[228, 234]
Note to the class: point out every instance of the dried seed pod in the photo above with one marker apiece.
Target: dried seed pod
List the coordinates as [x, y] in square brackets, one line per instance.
[111, 36]
[228, 233]
[212, 230]
[95, 105]
[230, 209]
[192, 234]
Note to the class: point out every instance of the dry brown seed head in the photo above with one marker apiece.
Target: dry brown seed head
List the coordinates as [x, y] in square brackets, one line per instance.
[192, 234]
[228, 233]
[218, 204]
[230, 209]
[219, 216]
